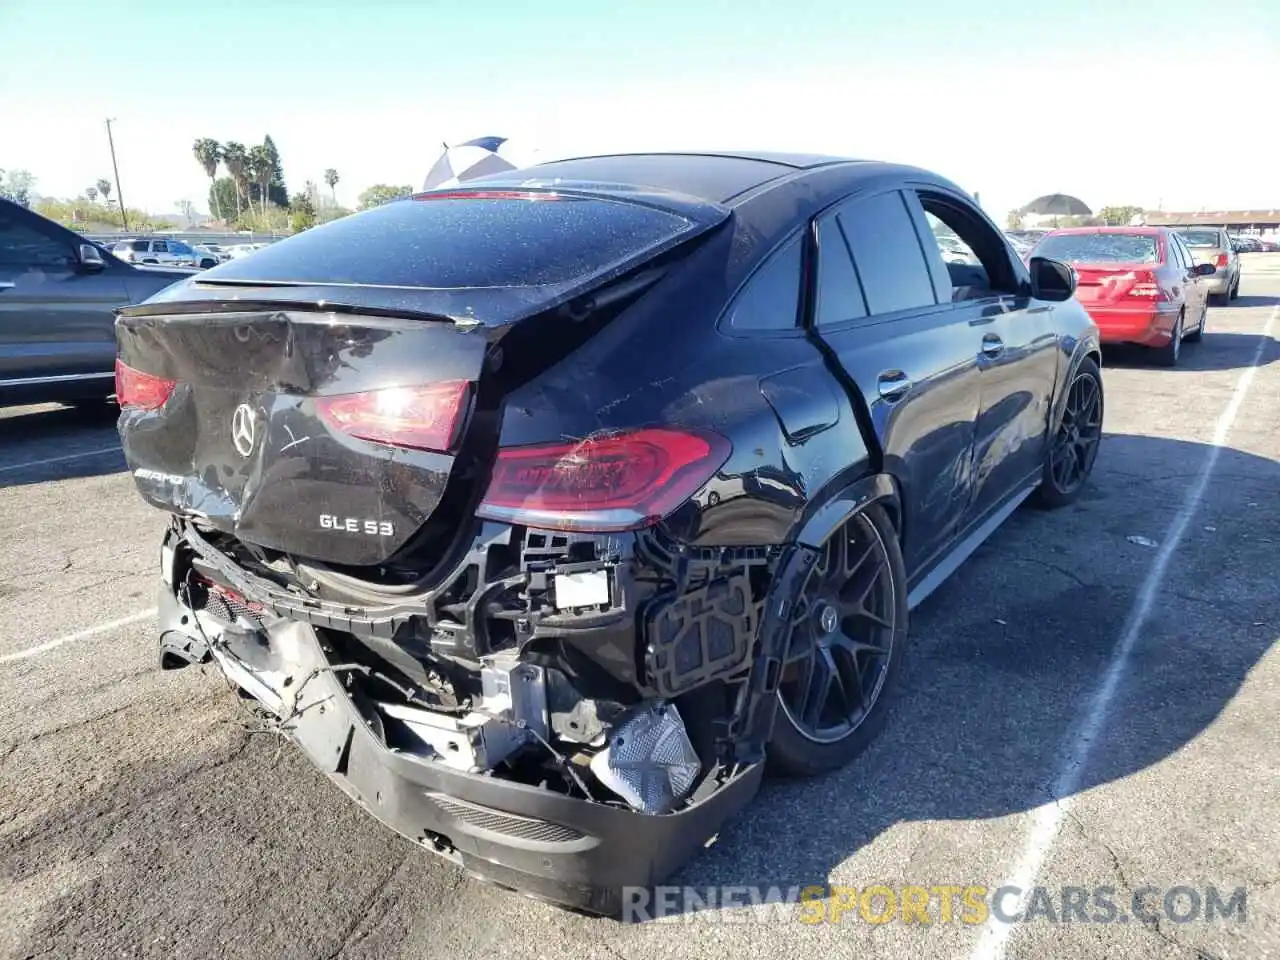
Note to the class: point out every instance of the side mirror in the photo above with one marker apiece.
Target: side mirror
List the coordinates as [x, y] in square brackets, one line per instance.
[1205, 269]
[1051, 280]
[91, 258]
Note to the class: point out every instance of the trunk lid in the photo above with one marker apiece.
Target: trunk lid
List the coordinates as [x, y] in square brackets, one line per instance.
[244, 441]
[406, 299]
[1108, 283]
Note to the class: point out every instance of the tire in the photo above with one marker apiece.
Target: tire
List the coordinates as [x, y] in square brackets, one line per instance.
[1077, 425]
[1235, 289]
[795, 749]
[1195, 335]
[206, 264]
[1167, 356]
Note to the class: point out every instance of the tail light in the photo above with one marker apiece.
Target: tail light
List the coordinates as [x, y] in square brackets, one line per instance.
[1144, 286]
[421, 418]
[1221, 261]
[621, 482]
[141, 391]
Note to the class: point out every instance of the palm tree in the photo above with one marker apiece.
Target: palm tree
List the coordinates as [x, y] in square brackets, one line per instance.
[92, 194]
[236, 158]
[331, 178]
[208, 153]
[104, 188]
[260, 169]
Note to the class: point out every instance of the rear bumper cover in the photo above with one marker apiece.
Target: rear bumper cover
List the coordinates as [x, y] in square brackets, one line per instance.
[571, 852]
[1145, 325]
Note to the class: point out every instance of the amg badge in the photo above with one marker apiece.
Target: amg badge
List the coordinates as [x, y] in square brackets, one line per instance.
[370, 528]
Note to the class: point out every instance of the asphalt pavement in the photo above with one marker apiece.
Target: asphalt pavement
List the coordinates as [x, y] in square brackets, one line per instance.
[1089, 702]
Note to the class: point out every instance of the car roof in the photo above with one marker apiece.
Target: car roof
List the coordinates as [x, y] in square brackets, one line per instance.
[716, 177]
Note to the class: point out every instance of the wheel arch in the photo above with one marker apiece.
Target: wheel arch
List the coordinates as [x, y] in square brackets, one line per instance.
[839, 501]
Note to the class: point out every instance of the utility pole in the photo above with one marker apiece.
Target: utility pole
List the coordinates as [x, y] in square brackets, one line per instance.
[124, 216]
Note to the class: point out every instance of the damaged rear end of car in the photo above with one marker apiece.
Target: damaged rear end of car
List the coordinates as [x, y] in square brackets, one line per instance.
[505, 650]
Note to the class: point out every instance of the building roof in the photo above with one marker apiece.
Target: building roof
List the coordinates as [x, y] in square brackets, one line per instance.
[1223, 218]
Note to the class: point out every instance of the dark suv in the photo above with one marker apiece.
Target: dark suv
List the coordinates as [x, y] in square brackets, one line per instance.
[58, 295]
[543, 511]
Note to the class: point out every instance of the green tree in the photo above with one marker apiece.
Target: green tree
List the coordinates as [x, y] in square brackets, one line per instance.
[277, 192]
[260, 168]
[381, 193]
[208, 154]
[17, 185]
[302, 213]
[222, 195]
[1013, 220]
[1118, 216]
[104, 188]
[236, 159]
[331, 178]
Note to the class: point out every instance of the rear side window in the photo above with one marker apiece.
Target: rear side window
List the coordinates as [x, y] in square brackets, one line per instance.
[771, 298]
[459, 242]
[1099, 248]
[140, 245]
[839, 292]
[887, 251]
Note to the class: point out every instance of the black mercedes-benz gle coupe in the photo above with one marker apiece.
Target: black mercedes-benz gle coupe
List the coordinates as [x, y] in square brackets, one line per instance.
[546, 512]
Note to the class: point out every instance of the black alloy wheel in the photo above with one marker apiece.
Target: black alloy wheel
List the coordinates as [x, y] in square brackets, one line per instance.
[1075, 445]
[848, 625]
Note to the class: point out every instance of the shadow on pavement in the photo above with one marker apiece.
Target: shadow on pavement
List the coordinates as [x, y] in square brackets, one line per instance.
[1216, 351]
[51, 442]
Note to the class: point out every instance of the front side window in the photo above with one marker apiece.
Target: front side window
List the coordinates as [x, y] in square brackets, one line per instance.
[24, 246]
[888, 255]
[771, 298]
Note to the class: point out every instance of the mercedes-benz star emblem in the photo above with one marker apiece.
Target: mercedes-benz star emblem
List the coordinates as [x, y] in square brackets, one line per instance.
[243, 422]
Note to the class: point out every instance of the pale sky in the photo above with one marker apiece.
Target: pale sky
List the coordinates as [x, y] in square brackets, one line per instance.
[1141, 102]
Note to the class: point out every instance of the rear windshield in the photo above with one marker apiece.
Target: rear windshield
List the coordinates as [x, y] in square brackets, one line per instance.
[1099, 248]
[137, 245]
[1201, 238]
[466, 242]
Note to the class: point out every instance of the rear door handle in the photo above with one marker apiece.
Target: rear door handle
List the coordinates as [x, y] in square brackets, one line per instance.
[893, 385]
[992, 346]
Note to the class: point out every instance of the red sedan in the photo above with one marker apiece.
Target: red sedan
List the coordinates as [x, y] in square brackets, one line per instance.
[1140, 284]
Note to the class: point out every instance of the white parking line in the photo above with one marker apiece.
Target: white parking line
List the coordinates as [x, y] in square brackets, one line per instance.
[62, 459]
[79, 635]
[1047, 818]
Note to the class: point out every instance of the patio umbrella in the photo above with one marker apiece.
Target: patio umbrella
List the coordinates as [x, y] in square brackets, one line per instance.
[1058, 205]
[466, 161]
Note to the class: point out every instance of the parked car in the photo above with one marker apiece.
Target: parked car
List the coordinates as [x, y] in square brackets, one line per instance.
[558, 489]
[162, 251]
[1140, 284]
[1212, 245]
[58, 294]
[216, 251]
[1267, 246]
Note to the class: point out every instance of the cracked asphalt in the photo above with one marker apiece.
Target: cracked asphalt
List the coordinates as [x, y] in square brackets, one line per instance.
[142, 816]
